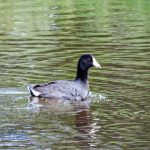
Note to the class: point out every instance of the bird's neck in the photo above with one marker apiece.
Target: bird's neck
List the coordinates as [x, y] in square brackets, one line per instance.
[82, 75]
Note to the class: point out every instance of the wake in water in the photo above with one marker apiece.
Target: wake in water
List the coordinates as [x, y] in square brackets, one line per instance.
[97, 97]
[11, 91]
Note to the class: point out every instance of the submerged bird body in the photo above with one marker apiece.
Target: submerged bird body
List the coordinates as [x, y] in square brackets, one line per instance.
[77, 89]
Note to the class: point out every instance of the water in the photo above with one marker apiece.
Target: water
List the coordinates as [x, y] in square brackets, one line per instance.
[41, 41]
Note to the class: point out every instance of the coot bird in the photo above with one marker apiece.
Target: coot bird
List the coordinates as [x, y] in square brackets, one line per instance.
[76, 90]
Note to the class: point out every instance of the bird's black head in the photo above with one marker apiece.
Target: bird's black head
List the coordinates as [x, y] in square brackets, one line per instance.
[86, 61]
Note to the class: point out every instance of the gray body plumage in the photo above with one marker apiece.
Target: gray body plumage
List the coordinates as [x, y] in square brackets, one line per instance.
[63, 89]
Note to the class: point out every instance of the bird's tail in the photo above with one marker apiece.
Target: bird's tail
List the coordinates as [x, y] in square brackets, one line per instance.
[33, 92]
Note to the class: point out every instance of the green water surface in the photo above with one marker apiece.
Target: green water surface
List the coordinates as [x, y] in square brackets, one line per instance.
[41, 41]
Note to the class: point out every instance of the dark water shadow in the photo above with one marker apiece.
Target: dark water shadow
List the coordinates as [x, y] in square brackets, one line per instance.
[84, 124]
[58, 104]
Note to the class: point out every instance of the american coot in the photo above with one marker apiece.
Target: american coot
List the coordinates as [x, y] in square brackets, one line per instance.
[77, 89]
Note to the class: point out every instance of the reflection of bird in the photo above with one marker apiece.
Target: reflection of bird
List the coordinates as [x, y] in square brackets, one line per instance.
[77, 89]
[88, 128]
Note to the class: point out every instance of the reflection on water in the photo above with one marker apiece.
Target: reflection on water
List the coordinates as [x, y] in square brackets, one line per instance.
[41, 41]
[81, 114]
[87, 130]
